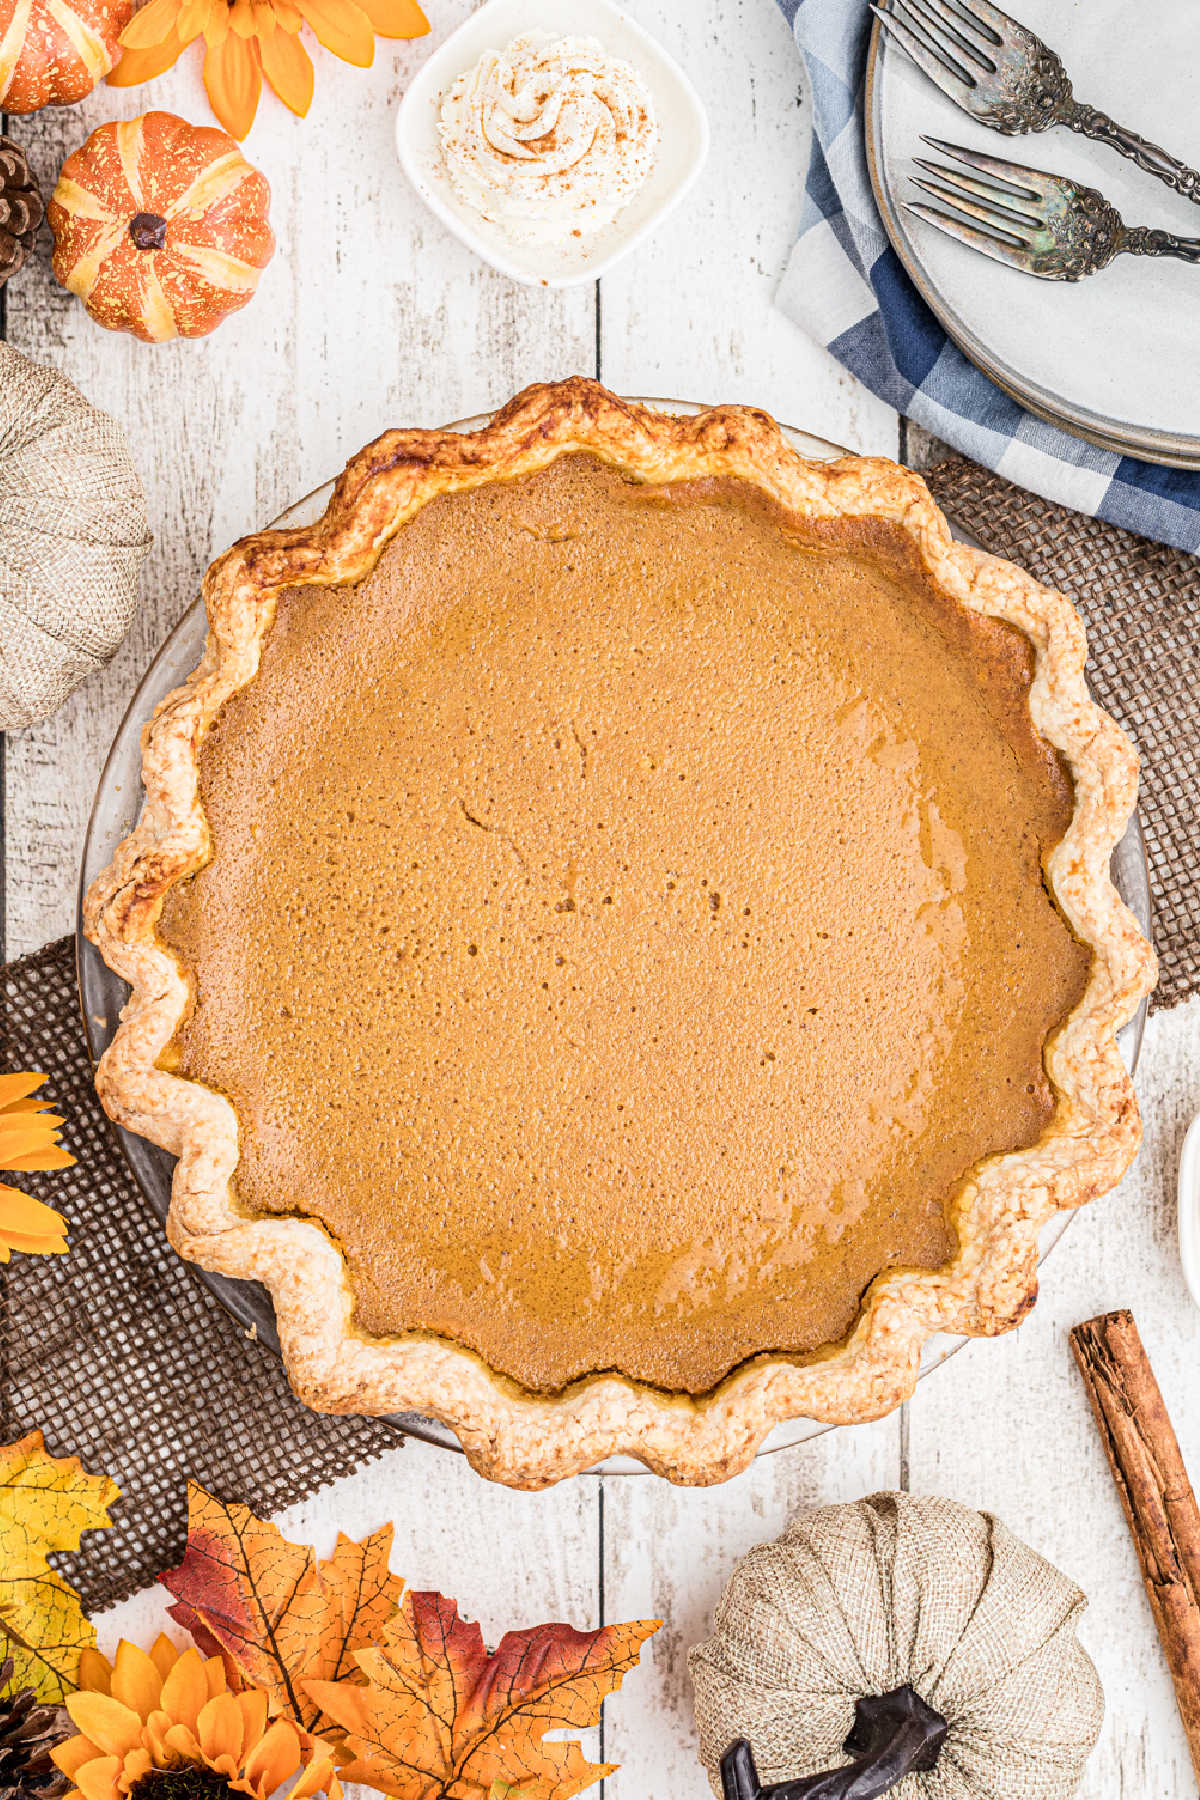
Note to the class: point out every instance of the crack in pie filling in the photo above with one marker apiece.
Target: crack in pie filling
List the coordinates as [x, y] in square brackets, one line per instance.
[621, 937]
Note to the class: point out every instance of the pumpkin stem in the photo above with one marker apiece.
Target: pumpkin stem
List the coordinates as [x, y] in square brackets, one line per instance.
[893, 1735]
[148, 231]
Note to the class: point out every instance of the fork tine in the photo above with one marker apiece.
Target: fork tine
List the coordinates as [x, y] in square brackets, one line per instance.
[915, 15]
[999, 249]
[968, 15]
[1000, 25]
[943, 22]
[1015, 176]
[986, 210]
[999, 196]
[950, 77]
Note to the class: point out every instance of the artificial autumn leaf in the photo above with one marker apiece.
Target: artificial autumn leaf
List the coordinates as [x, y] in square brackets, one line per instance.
[273, 1612]
[46, 1503]
[442, 1719]
[28, 1141]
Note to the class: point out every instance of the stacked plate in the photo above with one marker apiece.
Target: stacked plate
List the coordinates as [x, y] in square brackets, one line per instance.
[1111, 358]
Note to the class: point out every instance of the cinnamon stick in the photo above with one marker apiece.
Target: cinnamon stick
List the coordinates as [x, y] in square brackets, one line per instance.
[1157, 1496]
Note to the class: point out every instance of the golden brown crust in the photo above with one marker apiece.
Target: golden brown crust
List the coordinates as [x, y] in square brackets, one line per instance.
[510, 1434]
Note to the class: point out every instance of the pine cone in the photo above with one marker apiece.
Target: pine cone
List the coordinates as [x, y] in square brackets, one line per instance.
[21, 209]
[28, 1732]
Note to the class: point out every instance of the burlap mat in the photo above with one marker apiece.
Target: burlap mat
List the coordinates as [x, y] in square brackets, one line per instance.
[1141, 604]
[125, 1359]
[119, 1353]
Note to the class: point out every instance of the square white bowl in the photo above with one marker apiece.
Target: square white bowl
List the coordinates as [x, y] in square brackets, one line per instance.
[683, 136]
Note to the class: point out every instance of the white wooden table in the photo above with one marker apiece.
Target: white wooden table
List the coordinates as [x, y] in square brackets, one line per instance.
[371, 315]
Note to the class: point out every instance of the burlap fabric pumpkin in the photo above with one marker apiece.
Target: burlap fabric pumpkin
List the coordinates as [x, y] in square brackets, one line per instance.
[72, 539]
[858, 1600]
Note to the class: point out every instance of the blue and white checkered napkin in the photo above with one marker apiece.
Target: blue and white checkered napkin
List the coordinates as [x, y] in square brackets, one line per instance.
[846, 288]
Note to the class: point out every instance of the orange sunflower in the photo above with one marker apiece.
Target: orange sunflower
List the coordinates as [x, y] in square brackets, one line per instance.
[247, 39]
[28, 1140]
[144, 1717]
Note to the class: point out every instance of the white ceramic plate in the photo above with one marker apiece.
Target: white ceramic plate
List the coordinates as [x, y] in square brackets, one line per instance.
[683, 139]
[1110, 358]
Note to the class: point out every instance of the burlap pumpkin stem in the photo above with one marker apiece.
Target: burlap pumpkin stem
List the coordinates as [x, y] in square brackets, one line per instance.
[72, 541]
[895, 1593]
[21, 209]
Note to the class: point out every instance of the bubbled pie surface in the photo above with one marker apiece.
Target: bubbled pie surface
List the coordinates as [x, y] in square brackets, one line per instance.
[625, 924]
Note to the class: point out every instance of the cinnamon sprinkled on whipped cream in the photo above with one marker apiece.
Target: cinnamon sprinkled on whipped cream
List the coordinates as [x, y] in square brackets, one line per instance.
[549, 138]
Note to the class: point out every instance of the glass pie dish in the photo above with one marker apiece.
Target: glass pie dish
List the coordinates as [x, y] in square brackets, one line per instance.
[103, 994]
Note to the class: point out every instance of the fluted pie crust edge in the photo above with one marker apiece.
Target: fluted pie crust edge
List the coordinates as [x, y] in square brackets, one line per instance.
[510, 1434]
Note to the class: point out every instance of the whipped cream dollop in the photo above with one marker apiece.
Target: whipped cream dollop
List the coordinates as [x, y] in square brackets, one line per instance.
[549, 138]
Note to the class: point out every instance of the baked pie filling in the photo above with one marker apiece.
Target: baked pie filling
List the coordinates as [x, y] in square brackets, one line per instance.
[625, 923]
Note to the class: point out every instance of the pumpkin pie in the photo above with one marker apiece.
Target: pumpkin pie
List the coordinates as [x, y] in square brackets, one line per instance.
[621, 938]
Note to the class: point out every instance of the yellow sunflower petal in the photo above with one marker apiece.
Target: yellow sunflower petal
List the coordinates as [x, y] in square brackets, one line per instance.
[95, 1676]
[150, 26]
[32, 1246]
[72, 1755]
[320, 1775]
[18, 1086]
[253, 1705]
[193, 16]
[136, 1682]
[29, 1115]
[342, 27]
[20, 1212]
[138, 1762]
[113, 1728]
[22, 1143]
[40, 1159]
[180, 1745]
[137, 66]
[233, 81]
[396, 18]
[185, 1689]
[241, 19]
[219, 1728]
[288, 68]
[163, 1654]
[97, 1780]
[273, 1758]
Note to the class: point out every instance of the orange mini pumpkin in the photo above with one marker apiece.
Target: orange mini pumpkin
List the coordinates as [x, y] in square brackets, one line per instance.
[55, 51]
[160, 227]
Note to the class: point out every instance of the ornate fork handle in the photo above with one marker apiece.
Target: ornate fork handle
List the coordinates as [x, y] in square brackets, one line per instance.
[1095, 124]
[1146, 240]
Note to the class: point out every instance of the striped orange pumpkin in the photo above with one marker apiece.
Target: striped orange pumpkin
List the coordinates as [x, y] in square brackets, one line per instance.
[160, 227]
[55, 51]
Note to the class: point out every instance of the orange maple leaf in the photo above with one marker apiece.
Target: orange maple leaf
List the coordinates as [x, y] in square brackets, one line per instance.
[440, 1718]
[272, 1610]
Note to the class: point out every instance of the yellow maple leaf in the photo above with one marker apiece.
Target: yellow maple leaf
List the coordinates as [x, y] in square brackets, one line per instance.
[274, 1612]
[28, 1141]
[46, 1504]
[442, 1718]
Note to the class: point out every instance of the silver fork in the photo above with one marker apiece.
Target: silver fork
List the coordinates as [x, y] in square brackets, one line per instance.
[1038, 222]
[1006, 77]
